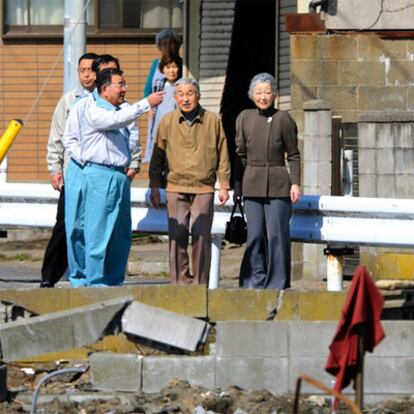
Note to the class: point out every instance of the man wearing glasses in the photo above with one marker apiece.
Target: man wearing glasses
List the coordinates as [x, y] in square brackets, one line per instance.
[97, 138]
[55, 260]
[192, 142]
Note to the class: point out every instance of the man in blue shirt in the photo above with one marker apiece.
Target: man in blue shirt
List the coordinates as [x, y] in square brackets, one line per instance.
[98, 141]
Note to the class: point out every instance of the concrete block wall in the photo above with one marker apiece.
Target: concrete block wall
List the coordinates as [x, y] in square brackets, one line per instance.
[354, 73]
[271, 355]
[386, 154]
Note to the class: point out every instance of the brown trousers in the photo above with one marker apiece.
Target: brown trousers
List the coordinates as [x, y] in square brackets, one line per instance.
[181, 208]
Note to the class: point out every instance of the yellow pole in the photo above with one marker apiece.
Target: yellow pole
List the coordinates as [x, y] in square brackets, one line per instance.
[8, 137]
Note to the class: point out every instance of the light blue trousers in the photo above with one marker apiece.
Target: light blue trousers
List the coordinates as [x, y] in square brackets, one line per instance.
[74, 223]
[107, 225]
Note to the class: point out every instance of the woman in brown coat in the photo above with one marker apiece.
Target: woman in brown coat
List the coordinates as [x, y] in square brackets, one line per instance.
[265, 138]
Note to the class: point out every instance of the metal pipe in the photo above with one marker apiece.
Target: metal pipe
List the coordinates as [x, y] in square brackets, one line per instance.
[314, 4]
[46, 378]
[74, 38]
[8, 137]
[334, 278]
[214, 280]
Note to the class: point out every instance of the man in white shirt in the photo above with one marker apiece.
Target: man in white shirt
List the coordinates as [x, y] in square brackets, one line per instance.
[55, 260]
[98, 142]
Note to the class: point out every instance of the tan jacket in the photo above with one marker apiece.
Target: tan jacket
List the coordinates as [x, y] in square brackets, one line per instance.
[261, 144]
[196, 154]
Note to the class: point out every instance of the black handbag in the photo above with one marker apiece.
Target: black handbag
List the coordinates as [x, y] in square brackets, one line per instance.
[236, 228]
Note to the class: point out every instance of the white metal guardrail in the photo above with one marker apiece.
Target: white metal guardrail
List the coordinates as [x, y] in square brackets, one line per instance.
[344, 221]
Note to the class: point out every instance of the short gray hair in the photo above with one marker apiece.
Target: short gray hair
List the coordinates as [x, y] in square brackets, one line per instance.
[189, 81]
[163, 34]
[260, 78]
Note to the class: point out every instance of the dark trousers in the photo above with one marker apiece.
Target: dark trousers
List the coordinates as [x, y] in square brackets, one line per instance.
[55, 260]
[266, 260]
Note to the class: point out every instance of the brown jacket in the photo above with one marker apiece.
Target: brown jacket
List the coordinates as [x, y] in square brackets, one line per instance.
[196, 155]
[261, 144]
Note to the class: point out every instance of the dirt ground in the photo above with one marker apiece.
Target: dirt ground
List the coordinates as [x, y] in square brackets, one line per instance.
[58, 396]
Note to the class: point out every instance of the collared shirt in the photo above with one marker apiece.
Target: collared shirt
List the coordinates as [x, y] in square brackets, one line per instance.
[97, 132]
[196, 154]
[55, 151]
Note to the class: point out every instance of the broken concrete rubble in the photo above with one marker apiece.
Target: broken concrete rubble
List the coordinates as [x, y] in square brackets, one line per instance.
[61, 330]
[164, 327]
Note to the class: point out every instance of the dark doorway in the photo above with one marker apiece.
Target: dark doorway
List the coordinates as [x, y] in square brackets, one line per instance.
[252, 51]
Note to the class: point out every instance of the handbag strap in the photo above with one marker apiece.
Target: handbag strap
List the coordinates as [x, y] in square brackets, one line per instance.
[238, 204]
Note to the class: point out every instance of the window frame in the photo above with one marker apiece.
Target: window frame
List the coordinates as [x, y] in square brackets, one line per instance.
[56, 31]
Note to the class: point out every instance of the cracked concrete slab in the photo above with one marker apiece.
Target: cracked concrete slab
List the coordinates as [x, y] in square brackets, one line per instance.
[62, 330]
[164, 327]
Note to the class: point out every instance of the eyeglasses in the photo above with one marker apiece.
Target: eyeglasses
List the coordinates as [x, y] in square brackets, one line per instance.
[85, 70]
[119, 85]
[185, 95]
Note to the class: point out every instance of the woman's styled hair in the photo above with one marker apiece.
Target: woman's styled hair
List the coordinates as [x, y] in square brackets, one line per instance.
[167, 59]
[260, 78]
[167, 34]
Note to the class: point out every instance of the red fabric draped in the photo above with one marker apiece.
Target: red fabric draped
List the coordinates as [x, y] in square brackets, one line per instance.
[361, 313]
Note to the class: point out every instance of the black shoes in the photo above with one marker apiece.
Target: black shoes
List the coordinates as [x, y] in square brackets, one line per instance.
[46, 284]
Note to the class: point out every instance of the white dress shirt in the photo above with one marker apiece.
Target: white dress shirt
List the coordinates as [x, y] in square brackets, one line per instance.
[98, 132]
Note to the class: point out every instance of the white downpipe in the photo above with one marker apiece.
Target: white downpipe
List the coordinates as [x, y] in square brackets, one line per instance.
[214, 281]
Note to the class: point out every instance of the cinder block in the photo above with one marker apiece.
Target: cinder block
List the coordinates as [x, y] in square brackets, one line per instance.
[389, 375]
[372, 47]
[340, 97]
[386, 186]
[382, 98]
[157, 372]
[315, 368]
[385, 161]
[318, 336]
[353, 72]
[300, 94]
[399, 72]
[398, 341]
[310, 174]
[60, 330]
[318, 123]
[336, 47]
[367, 185]
[240, 338]
[405, 138]
[404, 185]
[116, 372]
[253, 373]
[303, 47]
[367, 161]
[241, 304]
[367, 135]
[314, 150]
[315, 72]
[165, 327]
[385, 135]
[404, 161]
[410, 93]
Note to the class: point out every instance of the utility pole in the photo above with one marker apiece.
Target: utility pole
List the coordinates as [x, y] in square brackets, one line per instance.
[74, 38]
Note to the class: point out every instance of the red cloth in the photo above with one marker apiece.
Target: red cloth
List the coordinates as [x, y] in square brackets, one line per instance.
[361, 313]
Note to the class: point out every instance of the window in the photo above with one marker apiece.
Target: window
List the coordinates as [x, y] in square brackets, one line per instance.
[105, 17]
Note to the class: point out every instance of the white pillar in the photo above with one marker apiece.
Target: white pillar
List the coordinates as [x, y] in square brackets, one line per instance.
[214, 280]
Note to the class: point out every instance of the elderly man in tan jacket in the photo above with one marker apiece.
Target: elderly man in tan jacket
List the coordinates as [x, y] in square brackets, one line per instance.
[192, 143]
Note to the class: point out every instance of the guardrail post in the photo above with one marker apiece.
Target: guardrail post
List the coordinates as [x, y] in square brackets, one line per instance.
[335, 266]
[214, 280]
